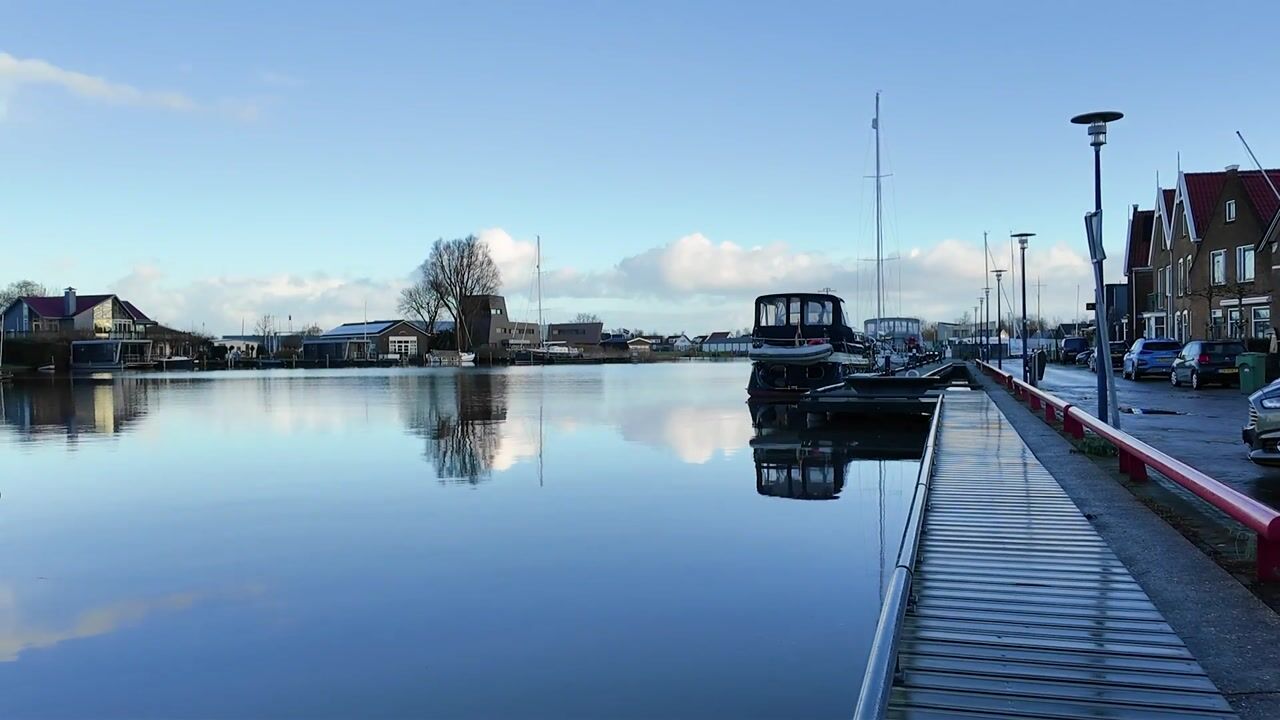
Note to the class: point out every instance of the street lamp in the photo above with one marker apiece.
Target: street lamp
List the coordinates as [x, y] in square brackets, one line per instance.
[1097, 128]
[999, 350]
[977, 314]
[973, 331]
[1027, 375]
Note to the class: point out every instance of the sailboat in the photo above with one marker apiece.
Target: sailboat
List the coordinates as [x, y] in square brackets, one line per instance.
[542, 353]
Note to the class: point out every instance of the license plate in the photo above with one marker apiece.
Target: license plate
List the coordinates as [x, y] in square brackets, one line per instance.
[1229, 371]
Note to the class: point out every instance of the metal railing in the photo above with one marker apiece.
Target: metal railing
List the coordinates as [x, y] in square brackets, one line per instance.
[1136, 456]
[882, 662]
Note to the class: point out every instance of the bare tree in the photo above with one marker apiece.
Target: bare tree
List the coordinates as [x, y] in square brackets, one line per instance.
[312, 330]
[423, 300]
[457, 269]
[21, 288]
[586, 318]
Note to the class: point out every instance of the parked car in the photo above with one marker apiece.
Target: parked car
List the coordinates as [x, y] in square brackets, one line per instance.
[1118, 349]
[1207, 361]
[1071, 348]
[1083, 357]
[1150, 356]
[1262, 433]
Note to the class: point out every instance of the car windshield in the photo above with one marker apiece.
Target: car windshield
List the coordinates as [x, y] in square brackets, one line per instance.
[1161, 346]
[1074, 343]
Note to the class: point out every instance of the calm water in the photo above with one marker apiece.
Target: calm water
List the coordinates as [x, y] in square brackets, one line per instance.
[594, 542]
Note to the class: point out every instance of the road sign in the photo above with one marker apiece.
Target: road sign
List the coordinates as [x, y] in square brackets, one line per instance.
[1091, 306]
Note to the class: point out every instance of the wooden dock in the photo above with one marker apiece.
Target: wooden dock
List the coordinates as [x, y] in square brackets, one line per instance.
[1020, 608]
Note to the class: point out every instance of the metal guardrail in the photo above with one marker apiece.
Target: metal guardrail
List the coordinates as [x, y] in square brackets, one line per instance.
[882, 662]
[1135, 457]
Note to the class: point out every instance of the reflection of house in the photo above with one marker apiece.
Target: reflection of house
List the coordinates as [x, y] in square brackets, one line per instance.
[73, 408]
[382, 339]
[576, 334]
[103, 316]
[487, 323]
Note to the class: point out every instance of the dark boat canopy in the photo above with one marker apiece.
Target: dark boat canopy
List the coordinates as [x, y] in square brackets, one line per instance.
[808, 315]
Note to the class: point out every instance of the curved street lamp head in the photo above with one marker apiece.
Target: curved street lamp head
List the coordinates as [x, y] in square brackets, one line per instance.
[1097, 122]
[1022, 238]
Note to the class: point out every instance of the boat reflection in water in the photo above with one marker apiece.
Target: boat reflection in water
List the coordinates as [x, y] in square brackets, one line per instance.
[802, 459]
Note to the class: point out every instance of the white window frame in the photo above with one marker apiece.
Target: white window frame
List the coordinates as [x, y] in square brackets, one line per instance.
[1254, 330]
[1235, 329]
[1241, 267]
[1214, 258]
[403, 345]
[1182, 277]
[1231, 211]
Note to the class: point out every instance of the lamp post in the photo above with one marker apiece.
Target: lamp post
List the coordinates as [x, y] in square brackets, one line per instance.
[1027, 375]
[977, 317]
[999, 351]
[973, 331]
[1097, 127]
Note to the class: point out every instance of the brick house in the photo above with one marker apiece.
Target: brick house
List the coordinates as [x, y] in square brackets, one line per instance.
[1224, 287]
[1137, 271]
[1156, 314]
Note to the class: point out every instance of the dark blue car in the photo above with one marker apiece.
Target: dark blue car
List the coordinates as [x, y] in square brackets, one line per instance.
[1150, 356]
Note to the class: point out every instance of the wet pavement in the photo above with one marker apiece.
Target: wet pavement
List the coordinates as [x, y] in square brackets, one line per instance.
[1199, 427]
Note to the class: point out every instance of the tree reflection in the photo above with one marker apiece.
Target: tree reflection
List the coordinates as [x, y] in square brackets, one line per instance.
[460, 417]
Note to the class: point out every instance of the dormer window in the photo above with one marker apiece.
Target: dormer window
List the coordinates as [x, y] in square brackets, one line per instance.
[1231, 211]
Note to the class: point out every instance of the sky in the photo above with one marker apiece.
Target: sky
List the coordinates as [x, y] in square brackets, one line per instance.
[220, 161]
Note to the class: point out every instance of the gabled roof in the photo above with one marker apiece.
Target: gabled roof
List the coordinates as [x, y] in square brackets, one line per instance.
[54, 307]
[138, 315]
[1263, 199]
[1138, 247]
[717, 337]
[1199, 193]
[360, 329]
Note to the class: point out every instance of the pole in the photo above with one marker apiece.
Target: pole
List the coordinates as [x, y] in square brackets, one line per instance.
[999, 349]
[1027, 375]
[875, 123]
[1107, 409]
[973, 329]
[986, 292]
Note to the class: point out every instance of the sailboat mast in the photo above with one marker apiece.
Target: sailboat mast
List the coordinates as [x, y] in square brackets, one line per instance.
[538, 271]
[875, 124]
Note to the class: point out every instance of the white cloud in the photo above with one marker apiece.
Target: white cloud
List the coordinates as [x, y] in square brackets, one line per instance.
[17, 73]
[220, 303]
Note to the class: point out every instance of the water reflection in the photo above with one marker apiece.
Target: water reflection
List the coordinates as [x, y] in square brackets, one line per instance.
[460, 418]
[73, 408]
[802, 457]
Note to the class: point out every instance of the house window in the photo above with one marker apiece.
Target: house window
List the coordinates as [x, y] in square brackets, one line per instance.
[1244, 263]
[1216, 328]
[1231, 211]
[1218, 267]
[1260, 322]
[1182, 276]
[495, 311]
[403, 345]
[1158, 326]
[1235, 328]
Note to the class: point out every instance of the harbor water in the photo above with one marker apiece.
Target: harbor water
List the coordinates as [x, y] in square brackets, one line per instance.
[562, 542]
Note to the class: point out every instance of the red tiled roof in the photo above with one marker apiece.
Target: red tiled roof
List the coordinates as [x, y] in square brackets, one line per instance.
[54, 307]
[1202, 191]
[1260, 195]
[1139, 240]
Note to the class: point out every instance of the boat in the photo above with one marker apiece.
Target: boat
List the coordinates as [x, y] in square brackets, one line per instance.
[466, 357]
[176, 362]
[802, 342]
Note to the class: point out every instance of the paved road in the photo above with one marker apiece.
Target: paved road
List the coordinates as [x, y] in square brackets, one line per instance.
[1205, 435]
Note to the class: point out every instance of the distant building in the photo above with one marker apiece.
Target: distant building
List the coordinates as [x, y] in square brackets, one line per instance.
[487, 324]
[576, 334]
[378, 340]
[678, 343]
[721, 343]
[100, 316]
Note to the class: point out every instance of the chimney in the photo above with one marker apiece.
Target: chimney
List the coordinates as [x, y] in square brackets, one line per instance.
[69, 302]
[1232, 168]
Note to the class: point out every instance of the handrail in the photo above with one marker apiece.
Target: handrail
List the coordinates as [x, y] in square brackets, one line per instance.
[1136, 456]
[882, 661]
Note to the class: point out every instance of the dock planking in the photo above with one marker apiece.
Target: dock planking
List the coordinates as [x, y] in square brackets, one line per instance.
[1020, 608]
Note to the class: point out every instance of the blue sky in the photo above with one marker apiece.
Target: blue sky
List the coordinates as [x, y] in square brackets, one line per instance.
[297, 158]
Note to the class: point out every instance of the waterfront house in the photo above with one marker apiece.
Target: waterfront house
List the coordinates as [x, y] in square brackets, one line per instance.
[678, 343]
[396, 340]
[73, 315]
[722, 343]
[487, 324]
[579, 335]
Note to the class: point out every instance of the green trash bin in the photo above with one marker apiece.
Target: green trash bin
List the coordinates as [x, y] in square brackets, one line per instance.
[1253, 371]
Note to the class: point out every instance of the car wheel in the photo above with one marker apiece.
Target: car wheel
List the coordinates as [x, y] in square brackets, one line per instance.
[1195, 380]
[1173, 379]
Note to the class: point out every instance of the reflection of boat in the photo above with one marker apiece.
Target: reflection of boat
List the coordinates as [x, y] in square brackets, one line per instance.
[794, 460]
[804, 341]
[47, 369]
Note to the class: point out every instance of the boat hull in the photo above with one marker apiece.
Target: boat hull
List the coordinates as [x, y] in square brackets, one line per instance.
[783, 379]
